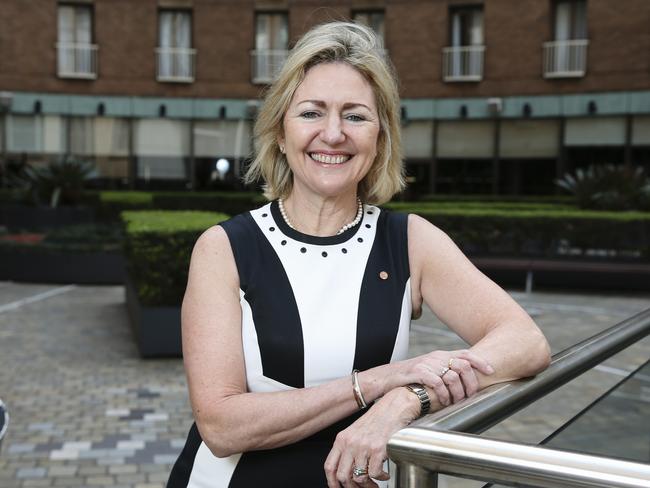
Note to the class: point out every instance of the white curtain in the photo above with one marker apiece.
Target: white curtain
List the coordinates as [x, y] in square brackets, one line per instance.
[83, 39]
[82, 136]
[562, 33]
[183, 41]
[271, 34]
[75, 39]
[164, 57]
[66, 37]
[175, 40]
[24, 133]
[456, 42]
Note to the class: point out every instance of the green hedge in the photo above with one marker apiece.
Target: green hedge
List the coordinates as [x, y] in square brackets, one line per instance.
[158, 246]
[109, 205]
[542, 232]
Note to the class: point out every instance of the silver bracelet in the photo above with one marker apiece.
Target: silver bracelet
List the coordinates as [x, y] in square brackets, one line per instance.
[358, 396]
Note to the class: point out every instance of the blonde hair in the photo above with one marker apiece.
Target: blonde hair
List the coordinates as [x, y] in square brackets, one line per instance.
[361, 48]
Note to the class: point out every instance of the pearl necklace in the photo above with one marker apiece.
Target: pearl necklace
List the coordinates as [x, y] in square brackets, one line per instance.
[345, 227]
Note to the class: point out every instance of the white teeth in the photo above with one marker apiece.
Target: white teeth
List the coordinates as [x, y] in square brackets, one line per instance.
[327, 159]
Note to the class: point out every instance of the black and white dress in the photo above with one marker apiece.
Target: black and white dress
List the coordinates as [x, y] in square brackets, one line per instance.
[313, 309]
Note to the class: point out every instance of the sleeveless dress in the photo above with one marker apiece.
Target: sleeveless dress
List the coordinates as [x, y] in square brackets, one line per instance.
[313, 309]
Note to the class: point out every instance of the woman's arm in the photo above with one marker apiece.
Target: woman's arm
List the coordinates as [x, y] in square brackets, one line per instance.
[229, 418]
[472, 305]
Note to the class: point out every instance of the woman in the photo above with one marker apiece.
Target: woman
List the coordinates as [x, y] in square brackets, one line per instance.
[296, 315]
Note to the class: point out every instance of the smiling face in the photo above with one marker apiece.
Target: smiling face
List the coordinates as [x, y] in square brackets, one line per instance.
[330, 131]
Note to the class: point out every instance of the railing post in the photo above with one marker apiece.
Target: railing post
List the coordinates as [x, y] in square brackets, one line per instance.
[412, 476]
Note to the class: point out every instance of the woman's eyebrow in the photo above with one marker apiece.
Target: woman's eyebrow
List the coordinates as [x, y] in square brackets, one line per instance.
[347, 105]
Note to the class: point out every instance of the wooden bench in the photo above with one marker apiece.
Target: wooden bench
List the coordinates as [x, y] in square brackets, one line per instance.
[566, 272]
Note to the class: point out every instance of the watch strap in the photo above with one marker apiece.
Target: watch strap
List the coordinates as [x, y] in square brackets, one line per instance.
[423, 396]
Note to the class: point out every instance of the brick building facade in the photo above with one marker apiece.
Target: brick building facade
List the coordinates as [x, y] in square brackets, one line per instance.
[498, 95]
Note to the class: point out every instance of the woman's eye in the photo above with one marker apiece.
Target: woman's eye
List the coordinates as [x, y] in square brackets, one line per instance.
[310, 114]
[355, 118]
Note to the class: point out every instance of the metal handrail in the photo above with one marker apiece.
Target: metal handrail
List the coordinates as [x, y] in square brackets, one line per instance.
[514, 464]
[497, 402]
[5, 421]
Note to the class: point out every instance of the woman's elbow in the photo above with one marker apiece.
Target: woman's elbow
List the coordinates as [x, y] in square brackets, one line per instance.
[216, 439]
[539, 356]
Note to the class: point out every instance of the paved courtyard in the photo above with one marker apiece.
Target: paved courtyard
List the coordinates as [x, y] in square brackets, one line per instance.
[86, 411]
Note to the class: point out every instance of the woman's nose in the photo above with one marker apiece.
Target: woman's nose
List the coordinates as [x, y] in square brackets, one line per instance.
[332, 132]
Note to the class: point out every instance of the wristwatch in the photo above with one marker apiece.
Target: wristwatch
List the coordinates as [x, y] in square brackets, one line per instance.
[423, 396]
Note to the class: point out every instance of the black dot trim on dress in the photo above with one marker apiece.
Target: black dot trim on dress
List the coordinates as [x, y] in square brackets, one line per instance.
[368, 226]
[303, 250]
[369, 212]
[271, 229]
[284, 243]
[344, 251]
[359, 239]
[265, 215]
[306, 238]
[324, 254]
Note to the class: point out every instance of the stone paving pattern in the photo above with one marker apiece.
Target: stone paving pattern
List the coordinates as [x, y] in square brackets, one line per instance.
[86, 411]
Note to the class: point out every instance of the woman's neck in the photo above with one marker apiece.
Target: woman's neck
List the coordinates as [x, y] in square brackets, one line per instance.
[319, 216]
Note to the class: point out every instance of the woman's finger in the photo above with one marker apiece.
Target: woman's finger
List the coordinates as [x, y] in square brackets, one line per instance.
[376, 468]
[452, 380]
[344, 470]
[477, 362]
[438, 386]
[467, 375]
[331, 465]
[360, 470]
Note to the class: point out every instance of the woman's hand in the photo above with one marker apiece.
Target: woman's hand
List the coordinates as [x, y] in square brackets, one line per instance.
[450, 374]
[363, 444]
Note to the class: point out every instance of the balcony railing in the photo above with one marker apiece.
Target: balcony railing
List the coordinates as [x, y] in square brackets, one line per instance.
[266, 64]
[175, 64]
[463, 63]
[77, 60]
[565, 59]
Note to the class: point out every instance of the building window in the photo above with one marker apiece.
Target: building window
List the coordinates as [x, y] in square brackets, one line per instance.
[463, 58]
[271, 46]
[77, 55]
[566, 55]
[373, 19]
[174, 53]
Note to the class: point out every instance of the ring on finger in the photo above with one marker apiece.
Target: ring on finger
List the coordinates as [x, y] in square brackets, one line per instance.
[357, 471]
[450, 363]
[444, 371]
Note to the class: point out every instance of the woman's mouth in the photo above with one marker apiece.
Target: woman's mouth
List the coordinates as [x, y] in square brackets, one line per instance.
[329, 158]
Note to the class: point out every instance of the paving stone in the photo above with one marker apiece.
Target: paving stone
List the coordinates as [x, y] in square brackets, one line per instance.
[20, 448]
[36, 483]
[62, 471]
[71, 482]
[124, 469]
[30, 473]
[100, 480]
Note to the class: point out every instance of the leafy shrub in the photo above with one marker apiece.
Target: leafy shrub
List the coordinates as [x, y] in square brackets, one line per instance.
[609, 187]
[157, 248]
[542, 233]
[231, 203]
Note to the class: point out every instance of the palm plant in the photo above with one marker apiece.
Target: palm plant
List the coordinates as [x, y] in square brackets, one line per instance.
[608, 187]
[58, 182]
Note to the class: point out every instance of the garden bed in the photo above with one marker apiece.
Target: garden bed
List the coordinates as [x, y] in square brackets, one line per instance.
[83, 254]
